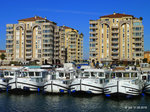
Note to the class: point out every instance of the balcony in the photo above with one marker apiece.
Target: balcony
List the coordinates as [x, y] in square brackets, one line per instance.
[115, 46]
[115, 41]
[93, 37]
[93, 22]
[114, 31]
[93, 32]
[28, 33]
[115, 52]
[115, 57]
[115, 36]
[93, 27]
[114, 27]
[137, 46]
[137, 41]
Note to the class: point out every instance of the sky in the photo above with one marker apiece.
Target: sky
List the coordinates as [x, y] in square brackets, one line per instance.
[72, 13]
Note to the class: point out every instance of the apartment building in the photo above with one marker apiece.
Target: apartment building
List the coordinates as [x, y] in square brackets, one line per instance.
[71, 45]
[116, 38]
[34, 39]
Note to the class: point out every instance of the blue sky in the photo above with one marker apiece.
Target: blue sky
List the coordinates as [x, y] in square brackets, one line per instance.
[75, 14]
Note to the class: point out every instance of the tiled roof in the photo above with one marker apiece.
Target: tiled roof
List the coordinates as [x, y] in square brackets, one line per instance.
[2, 51]
[66, 27]
[145, 52]
[32, 19]
[116, 15]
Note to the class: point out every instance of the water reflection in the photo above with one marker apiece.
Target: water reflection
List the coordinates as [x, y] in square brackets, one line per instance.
[68, 103]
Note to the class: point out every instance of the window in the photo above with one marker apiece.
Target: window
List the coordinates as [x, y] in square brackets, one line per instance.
[61, 74]
[113, 20]
[31, 73]
[118, 74]
[101, 74]
[86, 74]
[37, 74]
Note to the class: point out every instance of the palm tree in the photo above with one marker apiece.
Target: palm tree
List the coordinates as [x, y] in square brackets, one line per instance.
[2, 56]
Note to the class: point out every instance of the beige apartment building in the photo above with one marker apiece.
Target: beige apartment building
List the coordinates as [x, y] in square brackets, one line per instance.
[71, 45]
[116, 38]
[34, 39]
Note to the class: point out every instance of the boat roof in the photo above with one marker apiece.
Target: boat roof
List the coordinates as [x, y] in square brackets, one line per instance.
[65, 70]
[127, 71]
[96, 70]
[34, 70]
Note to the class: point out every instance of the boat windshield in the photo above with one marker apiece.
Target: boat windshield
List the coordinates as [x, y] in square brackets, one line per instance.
[86, 74]
[31, 73]
[126, 75]
[37, 73]
[61, 74]
[24, 74]
[101, 74]
[119, 74]
[11, 73]
[6, 73]
[93, 74]
[133, 74]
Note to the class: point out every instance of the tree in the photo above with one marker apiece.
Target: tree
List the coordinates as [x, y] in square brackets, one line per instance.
[145, 60]
[141, 18]
[2, 56]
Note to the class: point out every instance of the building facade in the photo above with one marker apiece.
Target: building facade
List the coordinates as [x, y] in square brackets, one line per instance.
[33, 39]
[147, 56]
[116, 37]
[71, 45]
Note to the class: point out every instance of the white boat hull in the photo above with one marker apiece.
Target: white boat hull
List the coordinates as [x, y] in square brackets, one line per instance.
[24, 84]
[147, 87]
[55, 86]
[86, 85]
[122, 87]
[3, 85]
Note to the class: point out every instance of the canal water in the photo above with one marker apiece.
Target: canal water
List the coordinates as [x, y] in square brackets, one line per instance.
[38, 102]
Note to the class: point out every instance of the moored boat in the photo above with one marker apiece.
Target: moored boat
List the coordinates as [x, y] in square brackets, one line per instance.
[90, 81]
[124, 82]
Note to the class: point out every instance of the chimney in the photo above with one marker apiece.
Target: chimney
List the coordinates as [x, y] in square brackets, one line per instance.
[114, 13]
[45, 17]
[35, 17]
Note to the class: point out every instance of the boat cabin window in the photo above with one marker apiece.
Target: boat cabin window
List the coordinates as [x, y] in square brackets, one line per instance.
[31, 73]
[44, 74]
[86, 74]
[93, 74]
[101, 74]
[118, 74]
[67, 75]
[53, 77]
[37, 74]
[6, 73]
[11, 73]
[143, 77]
[125, 74]
[61, 74]
[133, 74]
[24, 74]
[148, 77]
[107, 75]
